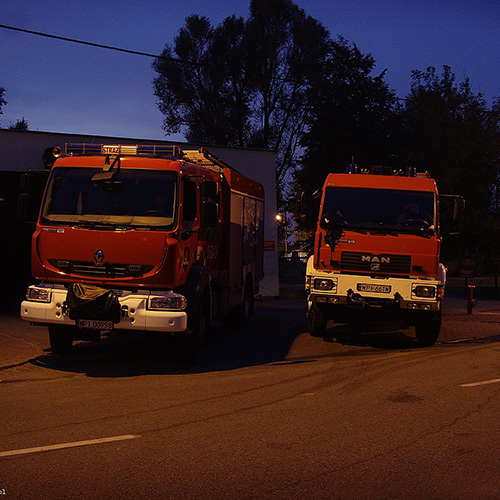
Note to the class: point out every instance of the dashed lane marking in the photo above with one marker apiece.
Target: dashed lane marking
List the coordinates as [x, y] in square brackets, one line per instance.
[61, 446]
[484, 382]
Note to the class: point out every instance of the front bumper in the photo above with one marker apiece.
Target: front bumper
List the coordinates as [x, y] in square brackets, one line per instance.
[354, 292]
[51, 309]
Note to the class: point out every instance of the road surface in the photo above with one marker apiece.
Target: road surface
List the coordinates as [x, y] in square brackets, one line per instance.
[267, 412]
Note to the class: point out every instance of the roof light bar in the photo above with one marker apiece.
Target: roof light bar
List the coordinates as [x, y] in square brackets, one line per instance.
[124, 149]
[383, 170]
[82, 149]
[158, 150]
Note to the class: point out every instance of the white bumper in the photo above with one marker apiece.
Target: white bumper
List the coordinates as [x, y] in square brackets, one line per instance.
[350, 289]
[136, 314]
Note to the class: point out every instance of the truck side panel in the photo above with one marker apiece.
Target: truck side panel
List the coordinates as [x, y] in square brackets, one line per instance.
[236, 242]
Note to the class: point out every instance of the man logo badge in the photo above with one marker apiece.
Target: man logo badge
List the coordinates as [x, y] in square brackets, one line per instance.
[99, 256]
[375, 262]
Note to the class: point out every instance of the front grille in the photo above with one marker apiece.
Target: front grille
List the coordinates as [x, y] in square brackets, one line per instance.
[387, 264]
[108, 270]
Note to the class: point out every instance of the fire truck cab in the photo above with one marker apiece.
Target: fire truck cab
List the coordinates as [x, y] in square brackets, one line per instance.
[144, 238]
[377, 252]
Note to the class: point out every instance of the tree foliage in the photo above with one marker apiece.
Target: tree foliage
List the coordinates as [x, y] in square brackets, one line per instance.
[3, 102]
[288, 50]
[20, 124]
[450, 131]
[200, 83]
[443, 127]
[246, 81]
[351, 118]
[277, 80]
[447, 130]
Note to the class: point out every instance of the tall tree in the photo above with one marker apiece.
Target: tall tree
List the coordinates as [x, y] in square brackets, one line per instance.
[289, 49]
[192, 87]
[447, 129]
[244, 82]
[352, 116]
[450, 131]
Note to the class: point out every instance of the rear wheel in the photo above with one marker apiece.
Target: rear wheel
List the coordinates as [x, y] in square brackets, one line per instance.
[239, 315]
[316, 321]
[60, 338]
[248, 301]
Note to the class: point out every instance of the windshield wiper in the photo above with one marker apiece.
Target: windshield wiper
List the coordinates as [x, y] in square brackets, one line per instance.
[389, 230]
[425, 232]
[112, 226]
[370, 228]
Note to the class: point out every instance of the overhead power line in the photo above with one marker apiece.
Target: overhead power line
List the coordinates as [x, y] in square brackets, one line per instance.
[127, 51]
[92, 44]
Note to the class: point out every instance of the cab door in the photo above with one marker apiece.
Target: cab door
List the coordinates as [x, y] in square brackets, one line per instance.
[189, 227]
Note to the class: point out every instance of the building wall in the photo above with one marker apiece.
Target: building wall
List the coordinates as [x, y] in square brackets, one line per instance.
[23, 150]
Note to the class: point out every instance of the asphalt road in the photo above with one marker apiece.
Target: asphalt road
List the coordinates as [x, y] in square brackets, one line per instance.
[266, 412]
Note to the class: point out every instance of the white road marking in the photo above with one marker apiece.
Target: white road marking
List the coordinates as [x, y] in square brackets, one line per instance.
[66, 445]
[484, 382]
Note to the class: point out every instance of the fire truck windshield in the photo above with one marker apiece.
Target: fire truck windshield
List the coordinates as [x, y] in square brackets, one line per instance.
[381, 210]
[133, 198]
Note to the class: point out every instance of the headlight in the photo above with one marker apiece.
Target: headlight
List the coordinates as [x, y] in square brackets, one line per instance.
[38, 294]
[324, 284]
[427, 292]
[174, 301]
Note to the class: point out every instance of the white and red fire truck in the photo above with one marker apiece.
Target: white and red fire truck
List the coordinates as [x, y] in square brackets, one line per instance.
[377, 252]
[144, 238]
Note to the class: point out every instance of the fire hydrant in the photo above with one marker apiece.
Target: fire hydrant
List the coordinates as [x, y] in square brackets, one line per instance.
[471, 301]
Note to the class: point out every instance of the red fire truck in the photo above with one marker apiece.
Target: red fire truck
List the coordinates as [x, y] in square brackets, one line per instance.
[377, 251]
[144, 238]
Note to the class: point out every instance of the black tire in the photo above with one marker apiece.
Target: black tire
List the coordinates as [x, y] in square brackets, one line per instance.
[248, 301]
[60, 338]
[316, 321]
[427, 331]
[200, 327]
[240, 315]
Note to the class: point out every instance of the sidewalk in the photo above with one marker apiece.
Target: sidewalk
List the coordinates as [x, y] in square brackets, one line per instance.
[20, 342]
[458, 326]
[16, 347]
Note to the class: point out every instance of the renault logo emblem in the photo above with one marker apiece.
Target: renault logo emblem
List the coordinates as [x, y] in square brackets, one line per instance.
[99, 256]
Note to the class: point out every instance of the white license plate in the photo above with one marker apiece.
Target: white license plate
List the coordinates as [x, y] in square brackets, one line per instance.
[368, 287]
[95, 324]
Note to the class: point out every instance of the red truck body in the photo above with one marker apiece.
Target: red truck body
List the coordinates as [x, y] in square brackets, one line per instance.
[377, 253]
[176, 239]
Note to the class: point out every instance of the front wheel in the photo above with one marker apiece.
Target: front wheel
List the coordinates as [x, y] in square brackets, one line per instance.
[316, 321]
[427, 331]
[60, 339]
[200, 327]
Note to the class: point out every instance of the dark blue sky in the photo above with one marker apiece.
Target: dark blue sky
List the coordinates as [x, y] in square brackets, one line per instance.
[63, 87]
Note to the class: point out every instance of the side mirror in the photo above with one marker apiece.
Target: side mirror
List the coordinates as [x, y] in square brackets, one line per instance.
[209, 215]
[4, 208]
[326, 222]
[458, 209]
[452, 211]
[31, 192]
[210, 190]
[300, 202]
